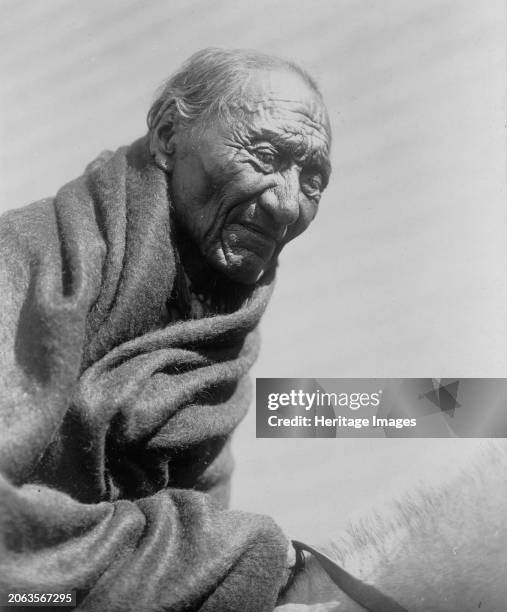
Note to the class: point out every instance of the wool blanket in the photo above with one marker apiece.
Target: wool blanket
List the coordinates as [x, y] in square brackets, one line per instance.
[123, 374]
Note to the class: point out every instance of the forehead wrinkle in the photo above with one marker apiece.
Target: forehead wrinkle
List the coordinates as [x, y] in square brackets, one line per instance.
[277, 92]
[312, 114]
[300, 125]
[304, 130]
[269, 103]
[310, 99]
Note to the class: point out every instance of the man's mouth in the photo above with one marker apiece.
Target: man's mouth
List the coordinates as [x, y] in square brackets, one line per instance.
[250, 238]
[245, 217]
[247, 232]
[275, 234]
[254, 234]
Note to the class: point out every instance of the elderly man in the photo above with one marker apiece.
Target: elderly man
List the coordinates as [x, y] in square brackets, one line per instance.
[130, 307]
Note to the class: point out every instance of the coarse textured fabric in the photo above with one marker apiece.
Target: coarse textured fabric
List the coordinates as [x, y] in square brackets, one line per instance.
[118, 401]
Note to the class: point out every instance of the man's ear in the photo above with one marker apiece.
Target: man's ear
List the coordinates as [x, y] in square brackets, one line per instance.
[162, 141]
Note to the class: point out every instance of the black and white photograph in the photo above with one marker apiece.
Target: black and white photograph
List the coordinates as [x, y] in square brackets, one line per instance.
[253, 297]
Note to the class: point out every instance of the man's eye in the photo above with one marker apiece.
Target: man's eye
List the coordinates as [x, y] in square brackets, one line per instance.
[313, 185]
[269, 159]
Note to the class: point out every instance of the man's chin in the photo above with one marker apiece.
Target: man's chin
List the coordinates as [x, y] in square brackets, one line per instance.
[241, 268]
[249, 277]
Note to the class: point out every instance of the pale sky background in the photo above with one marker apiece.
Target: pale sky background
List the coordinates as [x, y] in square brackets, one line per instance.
[404, 271]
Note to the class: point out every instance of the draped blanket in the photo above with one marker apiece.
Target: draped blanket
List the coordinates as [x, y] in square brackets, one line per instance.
[118, 402]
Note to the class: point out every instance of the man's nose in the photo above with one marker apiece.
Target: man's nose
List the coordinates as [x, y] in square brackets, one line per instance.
[281, 201]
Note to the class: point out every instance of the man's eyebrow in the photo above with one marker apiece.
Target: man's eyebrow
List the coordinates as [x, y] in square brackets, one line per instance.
[297, 147]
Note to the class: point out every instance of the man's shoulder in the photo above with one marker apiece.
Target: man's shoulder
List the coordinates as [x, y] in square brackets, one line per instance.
[23, 227]
[102, 158]
[31, 232]
[25, 235]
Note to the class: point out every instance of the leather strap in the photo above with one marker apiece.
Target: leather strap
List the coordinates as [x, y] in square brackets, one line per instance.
[361, 592]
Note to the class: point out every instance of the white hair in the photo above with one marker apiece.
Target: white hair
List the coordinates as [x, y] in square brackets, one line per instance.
[211, 83]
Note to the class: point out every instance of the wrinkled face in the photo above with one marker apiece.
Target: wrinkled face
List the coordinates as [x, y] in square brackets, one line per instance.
[245, 189]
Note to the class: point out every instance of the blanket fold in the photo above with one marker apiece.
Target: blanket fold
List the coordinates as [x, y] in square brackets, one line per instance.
[118, 400]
